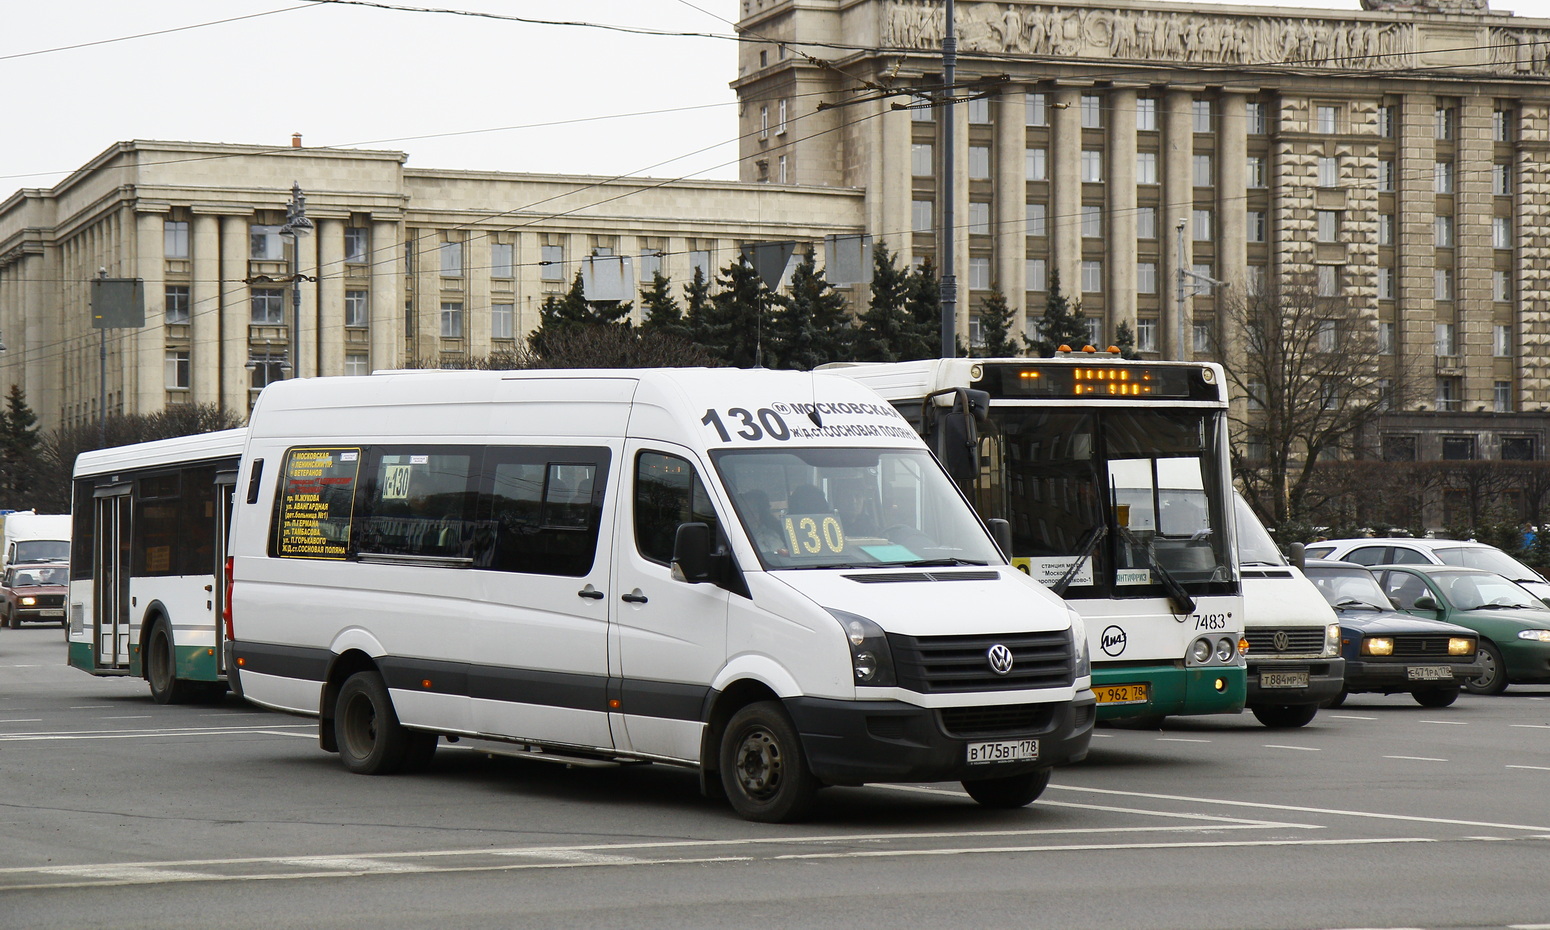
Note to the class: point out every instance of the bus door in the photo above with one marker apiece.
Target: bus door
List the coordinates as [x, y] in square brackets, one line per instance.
[225, 495]
[110, 580]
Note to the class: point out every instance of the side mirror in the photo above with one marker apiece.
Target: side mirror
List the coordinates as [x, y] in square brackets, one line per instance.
[1001, 531]
[953, 433]
[691, 553]
[1297, 553]
[1425, 602]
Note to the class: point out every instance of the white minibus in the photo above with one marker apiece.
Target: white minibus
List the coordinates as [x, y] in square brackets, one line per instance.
[763, 575]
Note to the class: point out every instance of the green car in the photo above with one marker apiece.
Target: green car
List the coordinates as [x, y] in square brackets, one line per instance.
[1514, 625]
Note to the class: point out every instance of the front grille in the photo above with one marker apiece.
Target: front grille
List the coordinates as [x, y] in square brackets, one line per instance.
[956, 664]
[1300, 641]
[999, 720]
[48, 600]
[1422, 646]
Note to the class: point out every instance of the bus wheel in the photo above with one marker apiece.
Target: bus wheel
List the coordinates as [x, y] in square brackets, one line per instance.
[371, 740]
[1010, 792]
[161, 668]
[763, 768]
[1285, 716]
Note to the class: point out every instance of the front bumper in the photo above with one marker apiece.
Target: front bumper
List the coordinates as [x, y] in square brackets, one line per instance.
[1326, 678]
[1174, 690]
[1390, 677]
[856, 742]
[40, 615]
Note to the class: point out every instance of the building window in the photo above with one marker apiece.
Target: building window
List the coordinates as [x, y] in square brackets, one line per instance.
[1036, 110]
[1446, 339]
[174, 237]
[1035, 216]
[1146, 335]
[1146, 223]
[1517, 448]
[551, 262]
[1458, 448]
[266, 370]
[1092, 277]
[357, 245]
[1257, 227]
[355, 308]
[1501, 285]
[1255, 113]
[1092, 112]
[1037, 274]
[979, 110]
[1200, 114]
[1385, 229]
[782, 167]
[1146, 277]
[1327, 280]
[1200, 225]
[1501, 180]
[176, 297]
[1501, 232]
[1328, 222]
[1146, 167]
[1386, 124]
[649, 263]
[1399, 448]
[764, 121]
[699, 261]
[1385, 282]
[920, 110]
[1442, 177]
[1256, 171]
[1442, 284]
[1442, 232]
[1204, 340]
[502, 260]
[264, 244]
[177, 370]
[1325, 336]
[781, 121]
[1386, 176]
[1146, 114]
[452, 259]
[1037, 164]
[1092, 166]
[1202, 170]
[268, 306]
[979, 218]
[920, 215]
[1501, 340]
[1445, 123]
[1385, 338]
[979, 273]
[921, 160]
[356, 364]
[1327, 120]
[1092, 221]
[1203, 275]
[1094, 331]
[502, 320]
[1501, 125]
[979, 162]
[451, 319]
[1449, 394]
[1254, 278]
[1329, 171]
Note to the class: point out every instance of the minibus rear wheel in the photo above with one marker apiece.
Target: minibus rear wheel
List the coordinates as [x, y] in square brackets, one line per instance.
[1009, 792]
[763, 768]
[371, 740]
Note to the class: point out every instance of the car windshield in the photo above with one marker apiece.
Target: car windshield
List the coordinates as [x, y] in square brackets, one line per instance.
[1349, 587]
[844, 508]
[1255, 547]
[42, 550]
[1485, 591]
[1489, 559]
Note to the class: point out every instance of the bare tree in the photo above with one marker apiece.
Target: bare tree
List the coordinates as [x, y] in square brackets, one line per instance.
[1309, 379]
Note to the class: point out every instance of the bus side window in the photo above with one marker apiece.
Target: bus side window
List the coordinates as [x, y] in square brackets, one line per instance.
[668, 493]
[254, 476]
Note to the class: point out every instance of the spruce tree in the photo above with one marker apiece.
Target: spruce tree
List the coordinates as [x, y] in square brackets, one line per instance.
[697, 306]
[573, 309]
[886, 331]
[811, 326]
[925, 306]
[18, 447]
[996, 321]
[1125, 340]
[661, 311]
[738, 315]
[1063, 324]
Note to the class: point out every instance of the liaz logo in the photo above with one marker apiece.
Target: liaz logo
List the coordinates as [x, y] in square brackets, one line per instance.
[1112, 642]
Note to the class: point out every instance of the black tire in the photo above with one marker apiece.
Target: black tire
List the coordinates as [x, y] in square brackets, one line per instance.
[371, 740]
[1494, 679]
[161, 668]
[422, 748]
[1436, 697]
[1285, 716]
[1338, 699]
[763, 767]
[1009, 792]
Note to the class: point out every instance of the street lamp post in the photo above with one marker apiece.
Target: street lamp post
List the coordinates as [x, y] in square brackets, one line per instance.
[296, 226]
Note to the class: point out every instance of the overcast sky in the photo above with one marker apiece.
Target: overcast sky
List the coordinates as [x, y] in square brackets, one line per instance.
[452, 91]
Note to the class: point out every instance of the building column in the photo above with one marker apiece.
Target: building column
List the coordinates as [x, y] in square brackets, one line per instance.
[888, 199]
[1416, 255]
[150, 267]
[960, 183]
[476, 292]
[1177, 206]
[1121, 220]
[1474, 211]
[235, 311]
[1009, 212]
[204, 310]
[329, 344]
[387, 295]
[307, 249]
[1065, 198]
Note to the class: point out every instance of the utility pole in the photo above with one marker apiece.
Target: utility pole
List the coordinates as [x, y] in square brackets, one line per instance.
[1189, 283]
[949, 283]
[296, 226]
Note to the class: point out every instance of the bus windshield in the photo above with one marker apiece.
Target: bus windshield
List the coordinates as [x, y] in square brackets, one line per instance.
[1121, 502]
[847, 508]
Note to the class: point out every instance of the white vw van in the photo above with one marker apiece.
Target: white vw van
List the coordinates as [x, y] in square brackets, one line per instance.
[765, 575]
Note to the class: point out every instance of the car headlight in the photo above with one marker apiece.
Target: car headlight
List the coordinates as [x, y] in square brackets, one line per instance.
[870, 658]
[1331, 640]
[29, 601]
[1378, 646]
[1541, 636]
[1083, 667]
[1461, 646]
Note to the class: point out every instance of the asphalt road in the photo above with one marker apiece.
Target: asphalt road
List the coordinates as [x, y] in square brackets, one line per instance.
[116, 812]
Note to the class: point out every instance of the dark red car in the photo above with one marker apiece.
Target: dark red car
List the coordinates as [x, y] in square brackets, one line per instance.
[34, 593]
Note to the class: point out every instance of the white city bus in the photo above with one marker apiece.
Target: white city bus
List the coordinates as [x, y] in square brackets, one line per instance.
[149, 536]
[764, 575]
[1115, 479]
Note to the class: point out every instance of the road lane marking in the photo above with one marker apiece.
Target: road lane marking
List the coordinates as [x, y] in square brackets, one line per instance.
[72, 735]
[1447, 723]
[1237, 821]
[1537, 768]
[25, 720]
[1298, 748]
[1180, 739]
[1531, 726]
[1350, 717]
[1416, 758]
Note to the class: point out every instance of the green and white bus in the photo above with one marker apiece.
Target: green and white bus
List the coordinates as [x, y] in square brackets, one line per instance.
[1114, 478]
[147, 569]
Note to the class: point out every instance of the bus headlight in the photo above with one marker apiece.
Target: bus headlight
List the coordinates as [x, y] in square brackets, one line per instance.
[870, 658]
[1226, 650]
[1331, 640]
[1083, 667]
[1201, 651]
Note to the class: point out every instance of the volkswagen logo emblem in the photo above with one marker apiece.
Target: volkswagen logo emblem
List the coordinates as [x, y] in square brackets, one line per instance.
[1000, 659]
[1282, 641]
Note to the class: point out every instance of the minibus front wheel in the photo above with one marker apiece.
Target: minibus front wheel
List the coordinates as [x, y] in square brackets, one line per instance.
[1010, 791]
[370, 738]
[763, 767]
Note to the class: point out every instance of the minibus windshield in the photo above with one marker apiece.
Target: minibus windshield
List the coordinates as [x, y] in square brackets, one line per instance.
[847, 508]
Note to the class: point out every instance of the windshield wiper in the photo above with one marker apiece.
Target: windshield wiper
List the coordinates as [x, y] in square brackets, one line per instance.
[1176, 592]
[1094, 536]
[926, 563]
[1353, 602]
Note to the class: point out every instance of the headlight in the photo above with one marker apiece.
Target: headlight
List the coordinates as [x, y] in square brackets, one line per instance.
[29, 601]
[1226, 649]
[1460, 646]
[1201, 650]
[1332, 640]
[1541, 636]
[870, 658]
[1378, 646]
[1084, 658]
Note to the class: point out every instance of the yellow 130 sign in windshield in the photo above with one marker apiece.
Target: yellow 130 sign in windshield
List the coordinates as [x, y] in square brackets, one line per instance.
[814, 534]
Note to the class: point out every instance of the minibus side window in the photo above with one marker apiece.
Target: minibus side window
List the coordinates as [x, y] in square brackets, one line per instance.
[668, 492]
[420, 501]
[541, 510]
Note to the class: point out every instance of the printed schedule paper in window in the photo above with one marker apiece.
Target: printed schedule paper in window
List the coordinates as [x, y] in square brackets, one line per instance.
[317, 496]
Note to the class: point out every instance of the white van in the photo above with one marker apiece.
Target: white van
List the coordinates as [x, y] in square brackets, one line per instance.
[765, 575]
[35, 537]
